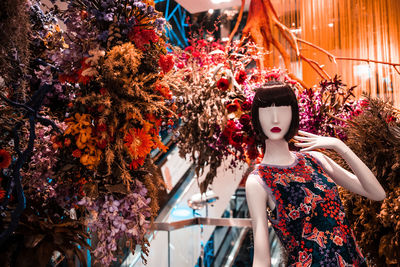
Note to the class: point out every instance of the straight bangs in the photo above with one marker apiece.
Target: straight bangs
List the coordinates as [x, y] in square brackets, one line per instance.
[274, 94]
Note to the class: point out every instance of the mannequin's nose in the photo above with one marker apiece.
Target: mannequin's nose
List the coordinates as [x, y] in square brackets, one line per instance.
[274, 115]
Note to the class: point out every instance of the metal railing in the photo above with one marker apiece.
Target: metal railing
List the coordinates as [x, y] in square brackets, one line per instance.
[171, 226]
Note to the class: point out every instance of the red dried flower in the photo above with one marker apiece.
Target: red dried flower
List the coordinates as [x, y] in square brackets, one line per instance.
[241, 77]
[142, 37]
[166, 62]
[223, 84]
[229, 129]
[233, 107]
[101, 127]
[77, 153]
[216, 45]
[248, 129]
[231, 125]
[102, 144]
[81, 78]
[364, 103]
[180, 65]
[189, 49]
[5, 159]
[71, 78]
[103, 91]
[101, 108]
[196, 54]
[390, 118]
[237, 137]
[246, 106]
[2, 194]
[201, 43]
[245, 119]
[67, 142]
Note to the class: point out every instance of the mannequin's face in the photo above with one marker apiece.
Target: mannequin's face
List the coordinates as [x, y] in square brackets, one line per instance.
[275, 121]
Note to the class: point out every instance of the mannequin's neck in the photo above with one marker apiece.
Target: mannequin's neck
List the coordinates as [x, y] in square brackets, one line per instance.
[277, 153]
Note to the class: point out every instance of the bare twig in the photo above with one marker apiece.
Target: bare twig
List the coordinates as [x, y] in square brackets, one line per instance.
[263, 17]
[239, 19]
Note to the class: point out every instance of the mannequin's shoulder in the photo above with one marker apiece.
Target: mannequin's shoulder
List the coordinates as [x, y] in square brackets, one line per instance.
[254, 176]
[253, 179]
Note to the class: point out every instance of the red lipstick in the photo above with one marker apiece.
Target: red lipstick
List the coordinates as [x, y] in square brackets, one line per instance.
[276, 130]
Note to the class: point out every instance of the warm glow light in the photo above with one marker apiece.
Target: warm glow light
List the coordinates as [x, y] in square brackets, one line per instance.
[210, 11]
[330, 24]
[362, 71]
[296, 31]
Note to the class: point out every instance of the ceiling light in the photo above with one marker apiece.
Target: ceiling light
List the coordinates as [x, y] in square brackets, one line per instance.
[210, 11]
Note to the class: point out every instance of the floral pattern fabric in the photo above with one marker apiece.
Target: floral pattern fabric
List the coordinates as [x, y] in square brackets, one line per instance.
[309, 218]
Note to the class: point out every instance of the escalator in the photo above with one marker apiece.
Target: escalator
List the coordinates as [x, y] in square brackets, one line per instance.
[181, 247]
[233, 246]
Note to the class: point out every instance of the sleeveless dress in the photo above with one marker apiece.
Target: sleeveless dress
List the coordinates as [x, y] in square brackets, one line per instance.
[309, 218]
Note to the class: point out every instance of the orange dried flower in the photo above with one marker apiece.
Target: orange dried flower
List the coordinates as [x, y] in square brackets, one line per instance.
[138, 142]
[136, 163]
[164, 90]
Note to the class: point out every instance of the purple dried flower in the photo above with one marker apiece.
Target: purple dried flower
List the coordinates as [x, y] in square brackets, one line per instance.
[108, 17]
[116, 219]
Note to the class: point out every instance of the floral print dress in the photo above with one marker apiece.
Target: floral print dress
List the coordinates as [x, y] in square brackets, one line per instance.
[309, 218]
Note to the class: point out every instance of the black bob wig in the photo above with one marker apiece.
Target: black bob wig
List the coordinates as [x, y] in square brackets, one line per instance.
[280, 94]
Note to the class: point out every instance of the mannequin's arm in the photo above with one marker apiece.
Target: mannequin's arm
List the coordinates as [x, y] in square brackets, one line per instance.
[257, 198]
[363, 182]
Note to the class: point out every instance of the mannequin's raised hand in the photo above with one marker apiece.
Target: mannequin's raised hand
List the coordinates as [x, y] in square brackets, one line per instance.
[309, 141]
[362, 182]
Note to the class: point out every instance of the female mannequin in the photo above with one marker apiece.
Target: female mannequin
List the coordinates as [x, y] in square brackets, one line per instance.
[301, 187]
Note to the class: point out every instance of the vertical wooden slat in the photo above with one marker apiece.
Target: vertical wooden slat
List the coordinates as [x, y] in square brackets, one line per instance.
[361, 29]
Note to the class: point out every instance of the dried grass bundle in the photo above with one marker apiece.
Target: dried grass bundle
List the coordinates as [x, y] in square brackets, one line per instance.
[374, 136]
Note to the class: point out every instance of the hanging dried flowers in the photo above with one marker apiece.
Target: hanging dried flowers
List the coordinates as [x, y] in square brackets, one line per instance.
[209, 99]
[109, 91]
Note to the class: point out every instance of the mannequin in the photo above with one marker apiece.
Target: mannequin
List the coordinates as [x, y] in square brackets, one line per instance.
[276, 121]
